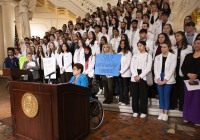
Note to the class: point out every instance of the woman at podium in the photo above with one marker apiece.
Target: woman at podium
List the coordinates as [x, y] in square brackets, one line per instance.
[32, 66]
[79, 78]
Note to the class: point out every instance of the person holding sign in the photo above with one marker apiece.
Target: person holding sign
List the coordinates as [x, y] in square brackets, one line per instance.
[33, 67]
[65, 63]
[191, 72]
[79, 78]
[141, 64]
[125, 72]
[107, 80]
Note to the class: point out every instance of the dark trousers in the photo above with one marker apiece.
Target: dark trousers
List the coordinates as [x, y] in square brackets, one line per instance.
[139, 92]
[108, 88]
[177, 94]
[65, 77]
[124, 89]
[99, 79]
[41, 72]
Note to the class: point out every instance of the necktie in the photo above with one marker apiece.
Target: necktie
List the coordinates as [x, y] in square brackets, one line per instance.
[40, 60]
[11, 60]
[122, 31]
[152, 20]
[63, 60]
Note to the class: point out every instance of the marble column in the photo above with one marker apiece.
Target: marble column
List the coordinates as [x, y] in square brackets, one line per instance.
[8, 27]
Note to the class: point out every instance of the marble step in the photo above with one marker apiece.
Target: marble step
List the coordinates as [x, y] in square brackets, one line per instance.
[152, 101]
[153, 108]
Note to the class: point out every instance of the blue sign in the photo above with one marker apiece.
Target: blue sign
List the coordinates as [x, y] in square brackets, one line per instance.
[107, 64]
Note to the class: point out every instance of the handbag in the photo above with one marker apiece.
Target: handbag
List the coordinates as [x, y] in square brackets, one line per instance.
[149, 76]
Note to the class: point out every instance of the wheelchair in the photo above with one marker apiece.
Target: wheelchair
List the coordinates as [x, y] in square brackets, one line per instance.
[96, 112]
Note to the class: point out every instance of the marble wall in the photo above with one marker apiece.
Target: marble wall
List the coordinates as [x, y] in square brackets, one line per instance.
[1, 40]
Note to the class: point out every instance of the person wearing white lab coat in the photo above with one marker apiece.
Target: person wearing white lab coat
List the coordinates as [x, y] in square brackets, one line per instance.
[115, 40]
[125, 72]
[169, 31]
[79, 56]
[181, 49]
[159, 24]
[89, 63]
[134, 33]
[150, 35]
[164, 70]
[88, 27]
[39, 57]
[149, 43]
[141, 64]
[65, 63]
[93, 43]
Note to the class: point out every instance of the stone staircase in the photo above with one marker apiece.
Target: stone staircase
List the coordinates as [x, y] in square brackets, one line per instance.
[152, 110]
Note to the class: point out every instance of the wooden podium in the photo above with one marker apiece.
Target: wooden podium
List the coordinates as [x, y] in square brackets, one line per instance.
[13, 74]
[49, 112]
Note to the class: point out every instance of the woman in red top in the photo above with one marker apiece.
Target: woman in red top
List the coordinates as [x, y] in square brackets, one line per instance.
[89, 64]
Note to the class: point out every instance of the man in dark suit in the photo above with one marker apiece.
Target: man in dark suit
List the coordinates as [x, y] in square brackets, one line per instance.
[11, 61]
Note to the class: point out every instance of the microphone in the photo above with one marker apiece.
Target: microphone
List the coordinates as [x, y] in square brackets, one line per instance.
[51, 73]
[49, 81]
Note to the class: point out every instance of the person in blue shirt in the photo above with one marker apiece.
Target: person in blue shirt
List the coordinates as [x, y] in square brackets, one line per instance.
[11, 61]
[78, 78]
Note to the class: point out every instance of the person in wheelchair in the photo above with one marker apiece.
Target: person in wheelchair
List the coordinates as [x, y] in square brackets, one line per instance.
[79, 78]
[96, 109]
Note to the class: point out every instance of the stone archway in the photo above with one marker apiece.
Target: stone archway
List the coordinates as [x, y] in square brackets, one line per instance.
[182, 8]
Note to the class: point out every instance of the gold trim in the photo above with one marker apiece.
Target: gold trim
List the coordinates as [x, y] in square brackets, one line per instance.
[29, 105]
[1, 72]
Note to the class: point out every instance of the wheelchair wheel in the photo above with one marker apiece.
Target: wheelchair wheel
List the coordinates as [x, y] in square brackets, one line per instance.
[96, 114]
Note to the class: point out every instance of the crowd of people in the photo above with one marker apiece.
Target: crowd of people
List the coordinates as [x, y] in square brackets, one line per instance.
[142, 33]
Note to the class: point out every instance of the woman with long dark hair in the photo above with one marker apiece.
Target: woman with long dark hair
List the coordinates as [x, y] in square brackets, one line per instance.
[79, 52]
[181, 49]
[169, 31]
[65, 63]
[166, 8]
[114, 24]
[89, 63]
[125, 72]
[103, 42]
[39, 57]
[164, 70]
[162, 38]
[91, 41]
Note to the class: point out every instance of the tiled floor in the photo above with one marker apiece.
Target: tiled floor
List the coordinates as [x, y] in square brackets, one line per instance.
[117, 126]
